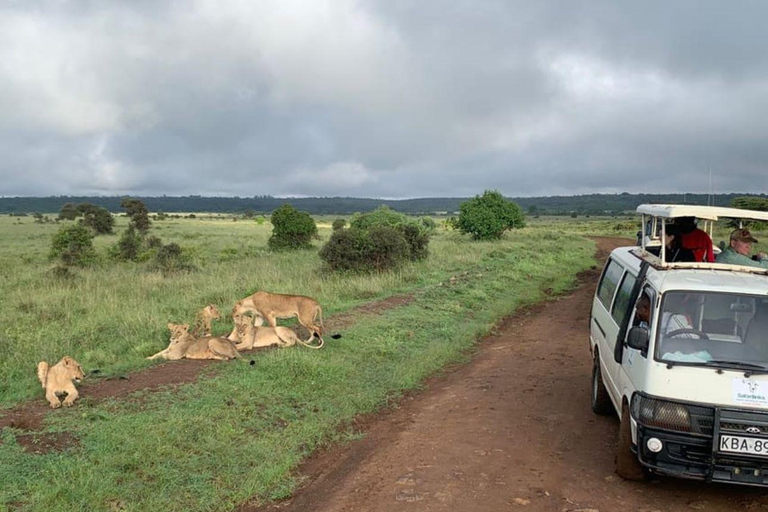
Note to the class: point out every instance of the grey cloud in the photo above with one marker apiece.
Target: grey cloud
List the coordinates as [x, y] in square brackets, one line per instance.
[381, 98]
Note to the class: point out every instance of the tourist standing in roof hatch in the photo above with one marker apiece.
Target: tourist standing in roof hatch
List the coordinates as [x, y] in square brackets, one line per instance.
[695, 239]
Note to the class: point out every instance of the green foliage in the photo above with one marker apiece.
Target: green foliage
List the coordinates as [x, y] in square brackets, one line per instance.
[347, 249]
[129, 245]
[292, 229]
[68, 212]
[428, 224]
[749, 203]
[414, 231]
[379, 248]
[73, 246]
[170, 259]
[382, 216]
[487, 217]
[387, 247]
[138, 213]
[99, 220]
[339, 224]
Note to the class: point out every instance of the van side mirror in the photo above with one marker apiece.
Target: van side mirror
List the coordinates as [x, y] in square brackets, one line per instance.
[638, 339]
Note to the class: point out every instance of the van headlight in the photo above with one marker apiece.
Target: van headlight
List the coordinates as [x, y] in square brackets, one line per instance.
[653, 412]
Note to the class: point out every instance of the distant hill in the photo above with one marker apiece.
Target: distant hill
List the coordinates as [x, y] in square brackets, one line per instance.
[590, 204]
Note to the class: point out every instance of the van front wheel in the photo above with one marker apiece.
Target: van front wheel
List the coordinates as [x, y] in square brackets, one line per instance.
[601, 402]
[627, 465]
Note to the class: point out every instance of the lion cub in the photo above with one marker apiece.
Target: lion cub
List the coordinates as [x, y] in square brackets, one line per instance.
[58, 381]
[185, 346]
[202, 326]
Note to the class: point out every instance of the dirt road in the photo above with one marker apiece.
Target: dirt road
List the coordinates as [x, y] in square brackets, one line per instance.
[512, 430]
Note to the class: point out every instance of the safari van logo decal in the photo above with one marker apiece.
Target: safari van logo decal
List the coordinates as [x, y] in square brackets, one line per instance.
[753, 430]
[750, 392]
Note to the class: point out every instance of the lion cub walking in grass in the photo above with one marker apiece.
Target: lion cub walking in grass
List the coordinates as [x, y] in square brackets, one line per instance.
[250, 334]
[185, 346]
[271, 306]
[58, 381]
[203, 319]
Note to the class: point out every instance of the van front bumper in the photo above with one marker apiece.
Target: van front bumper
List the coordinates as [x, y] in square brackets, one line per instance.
[695, 456]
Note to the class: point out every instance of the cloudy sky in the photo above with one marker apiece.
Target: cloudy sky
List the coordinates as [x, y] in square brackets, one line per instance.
[382, 98]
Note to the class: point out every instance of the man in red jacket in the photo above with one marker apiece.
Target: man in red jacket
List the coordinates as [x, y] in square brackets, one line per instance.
[695, 239]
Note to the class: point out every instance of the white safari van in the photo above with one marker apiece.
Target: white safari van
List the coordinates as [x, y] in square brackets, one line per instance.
[680, 353]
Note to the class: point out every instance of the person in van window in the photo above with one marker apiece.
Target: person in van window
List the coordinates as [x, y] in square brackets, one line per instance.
[674, 250]
[643, 312]
[739, 248]
[695, 239]
[675, 315]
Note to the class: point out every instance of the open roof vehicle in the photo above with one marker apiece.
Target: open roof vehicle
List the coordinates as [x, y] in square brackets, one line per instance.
[680, 354]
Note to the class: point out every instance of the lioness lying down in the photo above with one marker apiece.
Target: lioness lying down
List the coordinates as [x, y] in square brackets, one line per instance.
[185, 346]
[271, 306]
[58, 381]
[251, 334]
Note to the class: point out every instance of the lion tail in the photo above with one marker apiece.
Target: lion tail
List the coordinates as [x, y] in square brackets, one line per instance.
[42, 372]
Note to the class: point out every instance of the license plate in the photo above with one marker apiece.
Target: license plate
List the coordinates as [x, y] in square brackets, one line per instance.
[749, 445]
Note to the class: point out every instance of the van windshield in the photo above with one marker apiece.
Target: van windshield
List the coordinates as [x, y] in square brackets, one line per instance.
[709, 328]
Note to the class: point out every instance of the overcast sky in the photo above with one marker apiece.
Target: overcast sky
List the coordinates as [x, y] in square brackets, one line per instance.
[383, 98]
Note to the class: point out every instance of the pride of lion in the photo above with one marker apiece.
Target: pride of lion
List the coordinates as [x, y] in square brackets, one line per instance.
[248, 316]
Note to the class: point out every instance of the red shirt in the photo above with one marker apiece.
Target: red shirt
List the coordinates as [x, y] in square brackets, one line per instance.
[700, 244]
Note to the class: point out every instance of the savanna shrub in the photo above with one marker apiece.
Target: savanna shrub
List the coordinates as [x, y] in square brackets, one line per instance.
[291, 229]
[487, 217]
[428, 224]
[170, 259]
[412, 230]
[376, 249]
[68, 212]
[73, 245]
[99, 220]
[128, 247]
[381, 216]
[338, 224]
[417, 240]
[138, 213]
[387, 247]
[346, 250]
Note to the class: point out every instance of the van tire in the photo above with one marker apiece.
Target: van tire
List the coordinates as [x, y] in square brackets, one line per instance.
[601, 402]
[628, 466]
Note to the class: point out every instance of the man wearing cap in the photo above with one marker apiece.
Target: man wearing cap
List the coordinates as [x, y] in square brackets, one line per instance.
[737, 253]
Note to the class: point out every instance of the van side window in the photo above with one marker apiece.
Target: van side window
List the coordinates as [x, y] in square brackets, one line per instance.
[609, 283]
[624, 303]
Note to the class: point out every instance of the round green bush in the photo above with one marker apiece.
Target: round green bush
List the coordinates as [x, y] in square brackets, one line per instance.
[487, 217]
[291, 229]
[73, 245]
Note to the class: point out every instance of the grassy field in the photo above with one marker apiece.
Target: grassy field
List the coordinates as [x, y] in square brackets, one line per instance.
[240, 431]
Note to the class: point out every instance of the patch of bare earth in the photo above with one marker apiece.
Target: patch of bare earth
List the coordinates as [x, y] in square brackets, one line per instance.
[511, 430]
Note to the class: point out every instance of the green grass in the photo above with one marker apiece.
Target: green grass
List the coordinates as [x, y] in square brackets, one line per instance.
[241, 429]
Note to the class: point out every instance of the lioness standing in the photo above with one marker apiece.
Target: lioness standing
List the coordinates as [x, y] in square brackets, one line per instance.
[271, 306]
[58, 381]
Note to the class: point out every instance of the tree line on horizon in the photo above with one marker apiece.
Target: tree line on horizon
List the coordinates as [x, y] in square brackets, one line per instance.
[588, 204]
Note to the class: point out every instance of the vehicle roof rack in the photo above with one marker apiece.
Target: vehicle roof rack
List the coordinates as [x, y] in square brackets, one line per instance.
[653, 232]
